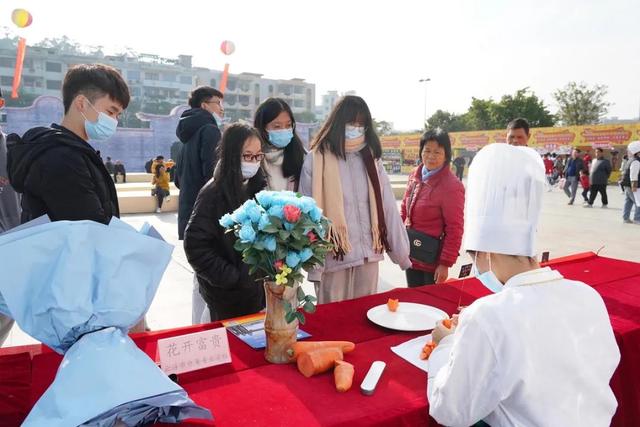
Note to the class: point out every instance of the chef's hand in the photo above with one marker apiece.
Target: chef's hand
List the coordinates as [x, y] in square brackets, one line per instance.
[442, 331]
[441, 274]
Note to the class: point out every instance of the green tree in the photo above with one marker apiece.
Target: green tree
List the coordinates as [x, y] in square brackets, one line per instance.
[25, 99]
[447, 121]
[382, 127]
[306, 117]
[63, 45]
[578, 104]
[128, 118]
[482, 114]
[522, 104]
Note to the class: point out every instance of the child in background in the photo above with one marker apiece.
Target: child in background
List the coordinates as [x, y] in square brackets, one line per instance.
[584, 181]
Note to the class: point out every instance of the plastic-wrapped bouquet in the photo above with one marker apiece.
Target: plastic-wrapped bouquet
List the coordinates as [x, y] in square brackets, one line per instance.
[78, 286]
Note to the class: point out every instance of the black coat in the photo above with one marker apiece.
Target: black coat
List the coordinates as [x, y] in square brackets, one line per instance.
[224, 279]
[600, 172]
[60, 174]
[199, 133]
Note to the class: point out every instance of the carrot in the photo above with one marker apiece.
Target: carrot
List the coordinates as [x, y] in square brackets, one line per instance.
[306, 346]
[427, 350]
[446, 323]
[343, 375]
[318, 361]
[393, 304]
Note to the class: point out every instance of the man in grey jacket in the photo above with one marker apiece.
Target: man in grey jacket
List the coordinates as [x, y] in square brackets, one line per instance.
[599, 178]
[572, 174]
[9, 214]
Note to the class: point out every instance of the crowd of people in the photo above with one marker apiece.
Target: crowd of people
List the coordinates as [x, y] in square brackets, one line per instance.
[57, 173]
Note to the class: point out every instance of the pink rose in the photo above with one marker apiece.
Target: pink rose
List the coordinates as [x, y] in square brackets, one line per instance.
[278, 264]
[312, 237]
[292, 213]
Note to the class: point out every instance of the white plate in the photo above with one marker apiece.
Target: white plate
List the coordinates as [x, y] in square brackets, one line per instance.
[408, 317]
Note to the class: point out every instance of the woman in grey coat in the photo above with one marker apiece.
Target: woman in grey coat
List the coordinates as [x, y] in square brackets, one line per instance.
[345, 176]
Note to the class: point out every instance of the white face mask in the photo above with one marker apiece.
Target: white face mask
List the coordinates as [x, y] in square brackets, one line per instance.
[249, 169]
[217, 118]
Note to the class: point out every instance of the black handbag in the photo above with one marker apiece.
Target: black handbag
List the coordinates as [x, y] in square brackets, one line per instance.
[423, 248]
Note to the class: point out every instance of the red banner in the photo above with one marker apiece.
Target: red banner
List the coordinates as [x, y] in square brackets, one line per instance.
[17, 75]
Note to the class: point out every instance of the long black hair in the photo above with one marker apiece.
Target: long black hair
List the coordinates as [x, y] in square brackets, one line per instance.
[228, 173]
[349, 109]
[294, 152]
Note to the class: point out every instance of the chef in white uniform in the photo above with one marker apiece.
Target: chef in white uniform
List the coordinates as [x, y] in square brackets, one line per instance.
[540, 351]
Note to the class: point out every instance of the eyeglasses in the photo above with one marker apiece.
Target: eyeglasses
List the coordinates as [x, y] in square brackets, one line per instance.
[255, 158]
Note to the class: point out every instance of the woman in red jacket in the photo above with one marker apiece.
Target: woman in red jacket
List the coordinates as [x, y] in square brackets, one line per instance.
[433, 204]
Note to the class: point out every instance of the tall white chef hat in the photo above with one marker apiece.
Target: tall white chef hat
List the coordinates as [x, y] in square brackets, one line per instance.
[503, 200]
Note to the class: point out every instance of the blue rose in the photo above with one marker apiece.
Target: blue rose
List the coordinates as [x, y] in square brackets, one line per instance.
[305, 254]
[247, 233]
[315, 214]
[292, 259]
[306, 204]
[254, 213]
[264, 221]
[265, 198]
[277, 211]
[226, 221]
[239, 216]
[288, 226]
[270, 243]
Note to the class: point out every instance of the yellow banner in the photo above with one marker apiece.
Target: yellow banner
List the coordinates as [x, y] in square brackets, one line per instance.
[551, 139]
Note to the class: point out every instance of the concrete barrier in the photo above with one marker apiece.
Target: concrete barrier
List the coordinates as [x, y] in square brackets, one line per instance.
[141, 186]
[136, 177]
[135, 196]
[143, 202]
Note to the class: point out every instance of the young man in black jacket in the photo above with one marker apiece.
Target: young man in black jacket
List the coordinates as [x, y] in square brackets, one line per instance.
[55, 168]
[199, 132]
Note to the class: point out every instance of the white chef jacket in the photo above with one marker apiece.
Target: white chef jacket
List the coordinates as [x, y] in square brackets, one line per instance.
[539, 353]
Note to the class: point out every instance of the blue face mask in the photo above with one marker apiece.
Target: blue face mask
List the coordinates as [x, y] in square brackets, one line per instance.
[102, 129]
[280, 138]
[488, 278]
[353, 132]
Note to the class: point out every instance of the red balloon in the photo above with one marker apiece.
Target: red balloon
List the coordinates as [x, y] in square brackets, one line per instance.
[227, 47]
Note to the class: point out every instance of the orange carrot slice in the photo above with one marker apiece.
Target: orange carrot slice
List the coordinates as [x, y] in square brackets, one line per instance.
[343, 375]
[318, 361]
[427, 350]
[393, 304]
[306, 346]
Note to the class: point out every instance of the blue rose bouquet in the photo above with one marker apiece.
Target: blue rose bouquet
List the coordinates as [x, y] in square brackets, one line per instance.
[279, 233]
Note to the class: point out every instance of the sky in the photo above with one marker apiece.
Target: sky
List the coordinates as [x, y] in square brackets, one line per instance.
[380, 49]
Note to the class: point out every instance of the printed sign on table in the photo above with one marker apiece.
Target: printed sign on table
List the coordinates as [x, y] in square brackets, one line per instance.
[190, 352]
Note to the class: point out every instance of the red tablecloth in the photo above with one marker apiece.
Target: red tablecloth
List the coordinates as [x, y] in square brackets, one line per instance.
[249, 391]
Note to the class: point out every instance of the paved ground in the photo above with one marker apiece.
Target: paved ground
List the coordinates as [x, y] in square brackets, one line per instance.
[563, 230]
